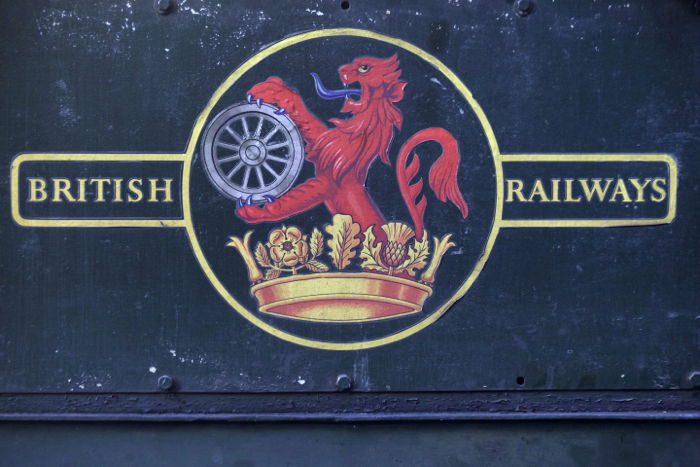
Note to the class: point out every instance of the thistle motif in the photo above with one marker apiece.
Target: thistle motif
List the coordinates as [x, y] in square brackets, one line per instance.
[395, 252]
[289, 250]
[396, 256]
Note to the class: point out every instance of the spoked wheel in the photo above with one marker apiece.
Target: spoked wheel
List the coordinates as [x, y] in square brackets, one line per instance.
[251, 151]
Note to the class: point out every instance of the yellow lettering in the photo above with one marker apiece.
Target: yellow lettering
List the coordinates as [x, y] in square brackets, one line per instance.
[597, 189]
[656, 186]
[100, 182]
[165, 189]
[117, 183]
[81, 190]
[61, 186]
[538, 190]
[37, 190]
[620, 189]
[135, 194]
[555, 190]
[515, 187]
[569, 182]
[640, 188]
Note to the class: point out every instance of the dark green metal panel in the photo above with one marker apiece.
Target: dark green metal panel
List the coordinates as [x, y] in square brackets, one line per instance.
[431, 444]
[110, 310]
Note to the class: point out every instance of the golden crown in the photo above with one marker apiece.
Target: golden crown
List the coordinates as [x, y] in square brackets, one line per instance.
[396, 275]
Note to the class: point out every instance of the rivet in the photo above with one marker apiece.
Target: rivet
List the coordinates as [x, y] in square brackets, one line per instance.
[694, 379]
[163, 7]
[343, 383]
[165, 383]
[523, 7]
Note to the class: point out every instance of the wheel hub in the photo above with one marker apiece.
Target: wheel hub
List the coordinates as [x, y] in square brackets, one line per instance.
[253, 152]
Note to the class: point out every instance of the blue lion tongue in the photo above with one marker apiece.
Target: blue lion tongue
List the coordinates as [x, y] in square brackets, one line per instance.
[325, 93]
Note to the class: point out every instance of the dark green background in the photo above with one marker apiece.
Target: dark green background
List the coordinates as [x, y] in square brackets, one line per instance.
[90, 310]
[559, 444]
[93, 309]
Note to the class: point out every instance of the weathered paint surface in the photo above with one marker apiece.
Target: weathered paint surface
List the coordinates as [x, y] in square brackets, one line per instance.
[111, 310]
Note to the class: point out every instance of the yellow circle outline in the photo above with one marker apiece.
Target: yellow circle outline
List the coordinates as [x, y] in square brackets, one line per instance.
[244, 68]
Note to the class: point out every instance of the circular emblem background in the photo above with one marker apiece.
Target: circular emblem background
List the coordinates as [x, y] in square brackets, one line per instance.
[435, 96]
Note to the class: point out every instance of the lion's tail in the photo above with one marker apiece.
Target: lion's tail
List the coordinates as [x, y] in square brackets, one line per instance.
[442, 177]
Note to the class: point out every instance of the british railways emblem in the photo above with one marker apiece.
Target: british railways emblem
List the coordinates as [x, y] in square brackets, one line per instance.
[348, 200]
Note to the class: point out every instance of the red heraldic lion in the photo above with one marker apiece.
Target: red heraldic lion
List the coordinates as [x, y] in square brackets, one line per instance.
[343, 154]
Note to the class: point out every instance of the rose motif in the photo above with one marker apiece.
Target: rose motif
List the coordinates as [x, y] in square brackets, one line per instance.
[288, 246]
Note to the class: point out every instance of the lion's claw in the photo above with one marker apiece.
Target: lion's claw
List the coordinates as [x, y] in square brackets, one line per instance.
[259, 102]
[246, 205]
[249, 98]
[273, 91]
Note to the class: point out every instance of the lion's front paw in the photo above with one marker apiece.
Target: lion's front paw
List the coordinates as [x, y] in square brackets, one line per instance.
[250, 214]
[274, 91]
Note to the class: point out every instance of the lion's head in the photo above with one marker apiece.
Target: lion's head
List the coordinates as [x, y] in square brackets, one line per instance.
[378, 79]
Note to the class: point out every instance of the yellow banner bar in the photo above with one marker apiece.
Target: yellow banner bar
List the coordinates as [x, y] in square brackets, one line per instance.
[79, 157]
[665, 158]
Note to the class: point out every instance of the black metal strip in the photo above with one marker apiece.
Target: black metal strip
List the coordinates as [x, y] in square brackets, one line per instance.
[354, 407]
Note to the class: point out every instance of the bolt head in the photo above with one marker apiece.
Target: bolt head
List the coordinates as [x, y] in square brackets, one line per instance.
[523, 7]
[165, 383]
[694, 379]
[163, 7]
[343, 382]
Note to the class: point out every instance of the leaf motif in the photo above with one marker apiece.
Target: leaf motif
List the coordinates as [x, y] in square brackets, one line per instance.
[316, 242]
[272, 274]
[369, 254]
[441, 247]
[262, 256]
[417, 257]
[316, 266]
[344, 241]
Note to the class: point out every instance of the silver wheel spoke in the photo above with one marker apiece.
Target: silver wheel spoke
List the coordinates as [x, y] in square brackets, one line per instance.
[258, 172]
[246, 176]
[277, 145]
[235, 170]
[232, 147]
[270, 134]
[235, 135]
[246, 131]
[259, 127]
[269, 169]
[276, 159]
[230, 158]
